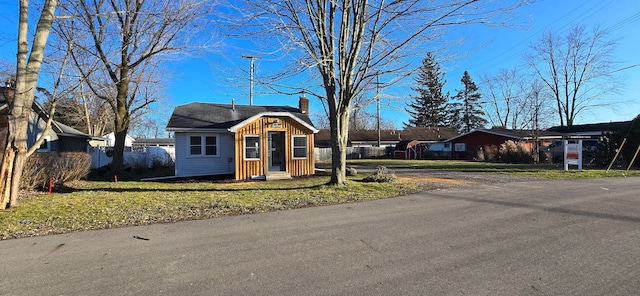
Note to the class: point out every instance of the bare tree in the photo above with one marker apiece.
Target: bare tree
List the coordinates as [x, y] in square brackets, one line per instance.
[348, 42]
[124, 40]
[361, 119]
[85, 112]
[27, 73]
[576, 69]
[148, 126]
[508, 104]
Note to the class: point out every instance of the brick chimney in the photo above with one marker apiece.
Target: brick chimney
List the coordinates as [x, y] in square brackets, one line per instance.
[303, 105]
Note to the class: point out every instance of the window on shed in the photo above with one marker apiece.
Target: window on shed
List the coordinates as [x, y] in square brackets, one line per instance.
[299, 146]
[203, 145]
[211, 147]
[252, 147]
[195, 144]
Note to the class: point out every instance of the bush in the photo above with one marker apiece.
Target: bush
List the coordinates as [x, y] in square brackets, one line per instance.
[62, 167]
[382, 175]
[512, 152]
[490, 152]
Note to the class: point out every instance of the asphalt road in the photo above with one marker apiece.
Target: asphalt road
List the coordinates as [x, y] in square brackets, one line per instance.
[517, 238]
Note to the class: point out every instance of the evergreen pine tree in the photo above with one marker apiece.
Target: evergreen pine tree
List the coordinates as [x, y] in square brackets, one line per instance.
[429, 107]
[466, 113]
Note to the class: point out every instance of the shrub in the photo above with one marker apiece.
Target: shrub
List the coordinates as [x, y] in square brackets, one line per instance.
[62, 167]
[512, 152]
[381, 175]
[490, 152]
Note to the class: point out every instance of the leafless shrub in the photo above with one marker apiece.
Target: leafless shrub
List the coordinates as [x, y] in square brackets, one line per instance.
[40, 168]
[138, 164]
[490, 152]
[158, 161]
[515, 152]
[381, 175]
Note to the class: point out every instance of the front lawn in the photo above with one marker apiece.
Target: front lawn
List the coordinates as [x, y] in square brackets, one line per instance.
[99, 205]
[549, 171]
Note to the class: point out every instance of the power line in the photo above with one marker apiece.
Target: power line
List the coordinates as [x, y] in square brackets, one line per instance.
[586, 14]
[625, 68]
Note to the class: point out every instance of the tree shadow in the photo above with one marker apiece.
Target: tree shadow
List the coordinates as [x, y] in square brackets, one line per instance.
[556, 210]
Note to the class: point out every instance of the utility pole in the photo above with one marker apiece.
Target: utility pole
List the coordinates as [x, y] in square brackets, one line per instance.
[378, 99]
[251, 58]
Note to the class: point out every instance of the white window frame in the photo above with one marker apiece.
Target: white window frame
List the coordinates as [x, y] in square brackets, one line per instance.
[203, 145]
[294, 147]
[245, 147]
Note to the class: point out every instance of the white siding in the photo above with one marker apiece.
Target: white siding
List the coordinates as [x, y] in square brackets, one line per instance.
[187, 166]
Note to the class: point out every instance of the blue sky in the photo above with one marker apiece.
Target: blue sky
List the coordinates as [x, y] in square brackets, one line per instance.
[217, 77]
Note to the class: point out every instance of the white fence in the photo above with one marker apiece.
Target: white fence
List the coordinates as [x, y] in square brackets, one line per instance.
[149, 156]
[355, 152]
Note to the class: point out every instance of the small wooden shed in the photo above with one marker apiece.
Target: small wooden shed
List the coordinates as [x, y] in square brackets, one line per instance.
[250, 142]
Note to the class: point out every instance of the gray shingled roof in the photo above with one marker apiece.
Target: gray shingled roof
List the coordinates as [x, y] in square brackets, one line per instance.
[593, 127]
[57, 127]
[223, 116]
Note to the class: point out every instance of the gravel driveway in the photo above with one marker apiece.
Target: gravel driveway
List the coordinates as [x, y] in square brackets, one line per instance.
[471, 177]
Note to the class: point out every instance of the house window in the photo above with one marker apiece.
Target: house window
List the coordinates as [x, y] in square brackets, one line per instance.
[45, 146]
[252, 147]
[203, 145]
[299, 146]
[447, 145]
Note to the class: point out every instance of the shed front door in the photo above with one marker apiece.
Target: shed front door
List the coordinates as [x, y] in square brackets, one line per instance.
[276, 160]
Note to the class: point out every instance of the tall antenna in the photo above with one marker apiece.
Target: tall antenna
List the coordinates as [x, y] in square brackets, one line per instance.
[251, 58]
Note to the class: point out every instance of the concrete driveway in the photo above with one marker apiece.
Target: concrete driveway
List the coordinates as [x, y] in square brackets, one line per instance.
[536, 237]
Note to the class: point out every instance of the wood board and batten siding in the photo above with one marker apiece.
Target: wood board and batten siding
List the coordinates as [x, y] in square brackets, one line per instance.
[249, 168]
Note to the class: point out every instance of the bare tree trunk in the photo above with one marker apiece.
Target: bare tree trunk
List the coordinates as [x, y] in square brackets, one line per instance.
[27, 73]
[339, 123]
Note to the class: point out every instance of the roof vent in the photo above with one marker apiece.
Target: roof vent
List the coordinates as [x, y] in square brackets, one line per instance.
[233, 104]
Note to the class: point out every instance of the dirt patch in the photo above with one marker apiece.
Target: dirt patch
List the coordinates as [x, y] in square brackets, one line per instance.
[435, 183]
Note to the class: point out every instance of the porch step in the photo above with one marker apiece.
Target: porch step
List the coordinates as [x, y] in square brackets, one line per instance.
[278, 176]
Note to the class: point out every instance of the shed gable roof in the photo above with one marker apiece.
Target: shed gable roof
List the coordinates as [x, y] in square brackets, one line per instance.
[228, 117]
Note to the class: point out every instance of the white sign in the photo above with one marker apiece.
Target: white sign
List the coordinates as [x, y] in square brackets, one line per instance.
[572, 154]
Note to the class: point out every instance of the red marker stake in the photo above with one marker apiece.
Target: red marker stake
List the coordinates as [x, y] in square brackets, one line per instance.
[50, 185]
[116, 178]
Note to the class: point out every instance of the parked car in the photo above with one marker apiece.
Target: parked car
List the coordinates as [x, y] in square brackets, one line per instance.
[555, 151]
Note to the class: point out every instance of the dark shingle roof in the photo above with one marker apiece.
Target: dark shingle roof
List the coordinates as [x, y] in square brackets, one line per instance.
[57, 127]
[223, 116]
[592, 127]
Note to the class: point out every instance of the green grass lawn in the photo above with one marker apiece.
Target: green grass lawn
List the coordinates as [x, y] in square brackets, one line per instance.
[550, 171]
[90, 205]
[99, 205]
